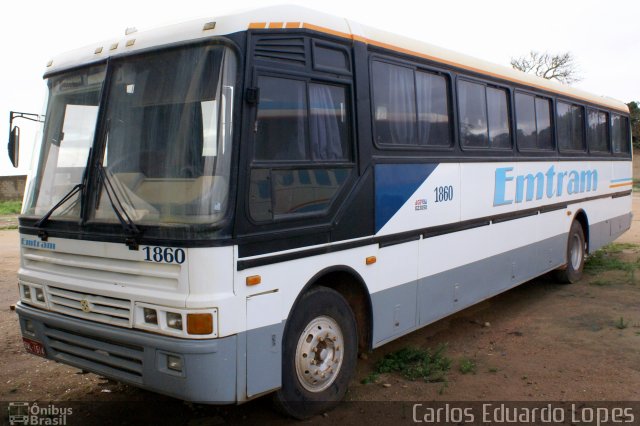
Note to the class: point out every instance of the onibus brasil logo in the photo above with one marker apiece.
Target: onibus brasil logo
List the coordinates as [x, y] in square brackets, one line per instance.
[25, 413]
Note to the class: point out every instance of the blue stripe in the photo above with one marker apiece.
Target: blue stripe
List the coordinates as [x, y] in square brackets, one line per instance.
[621, 180]
[395, 183]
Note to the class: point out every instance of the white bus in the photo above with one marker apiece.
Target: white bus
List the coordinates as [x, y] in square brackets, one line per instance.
[237, 205]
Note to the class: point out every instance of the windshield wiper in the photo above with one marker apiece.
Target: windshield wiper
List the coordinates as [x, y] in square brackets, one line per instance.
[133, 232]
[77, 188]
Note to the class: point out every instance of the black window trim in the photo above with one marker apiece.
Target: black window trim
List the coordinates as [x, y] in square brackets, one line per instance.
[572, 152]
[415, 67]
[326, 69]
[510, 110]
[609, 150]
[629, 141]
[309, 79]
[351, 165]
[535, 151]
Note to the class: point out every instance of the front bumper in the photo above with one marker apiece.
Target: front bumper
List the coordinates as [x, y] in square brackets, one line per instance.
[209, 366]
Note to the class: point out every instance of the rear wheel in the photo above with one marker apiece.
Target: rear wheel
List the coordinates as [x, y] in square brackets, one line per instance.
[319, 354]
[576, 253]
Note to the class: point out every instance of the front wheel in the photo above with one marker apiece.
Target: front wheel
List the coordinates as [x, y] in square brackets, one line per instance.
[576, 253]
[319, 354]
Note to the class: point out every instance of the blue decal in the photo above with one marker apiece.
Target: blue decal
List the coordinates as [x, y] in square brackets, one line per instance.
[395, 183]
[540, 184]
[25, 242]
[621, 180]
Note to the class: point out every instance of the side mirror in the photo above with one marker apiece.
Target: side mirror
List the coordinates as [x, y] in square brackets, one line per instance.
[14, 145]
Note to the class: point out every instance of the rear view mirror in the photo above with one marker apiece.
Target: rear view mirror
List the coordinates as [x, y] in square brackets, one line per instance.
[14, 135]
[14, 146]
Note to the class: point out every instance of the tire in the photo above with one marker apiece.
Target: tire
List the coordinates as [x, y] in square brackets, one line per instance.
[319, 355]
[576, 254]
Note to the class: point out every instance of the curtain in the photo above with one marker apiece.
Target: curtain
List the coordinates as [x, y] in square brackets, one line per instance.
[402, 104]
[427, 114]
[327, 113]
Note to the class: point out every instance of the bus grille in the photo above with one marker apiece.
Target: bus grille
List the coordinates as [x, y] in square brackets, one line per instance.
[113, 359]
[109, 310]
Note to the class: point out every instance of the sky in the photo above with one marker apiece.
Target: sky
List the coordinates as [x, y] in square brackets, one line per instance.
[602, 36]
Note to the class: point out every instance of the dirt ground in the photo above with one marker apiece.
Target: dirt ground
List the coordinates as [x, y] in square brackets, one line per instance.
[539, 342]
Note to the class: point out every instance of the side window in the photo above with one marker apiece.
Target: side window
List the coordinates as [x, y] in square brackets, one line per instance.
[484, 116]
[282, 120]
[543, 123]
[570, 119]
[331, 59]
[533, 122]
[329, 126]
[434, 127]
[302, 149]
[472, 102]
[499, 130]
[394, 104]
[598, 131]
[620, 134]
[410, 107]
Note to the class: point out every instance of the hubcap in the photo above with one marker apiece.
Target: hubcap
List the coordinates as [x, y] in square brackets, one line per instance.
[576, 252]
[319, 354]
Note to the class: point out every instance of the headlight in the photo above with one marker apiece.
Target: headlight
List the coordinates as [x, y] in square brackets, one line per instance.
[174, 320]
[32, 294]
[186, 323]
[26, 291]
[150, 316]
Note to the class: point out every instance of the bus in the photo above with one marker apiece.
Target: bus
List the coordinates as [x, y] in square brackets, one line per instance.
[236, 206]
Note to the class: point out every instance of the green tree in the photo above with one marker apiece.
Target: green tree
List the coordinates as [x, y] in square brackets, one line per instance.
[634, 109]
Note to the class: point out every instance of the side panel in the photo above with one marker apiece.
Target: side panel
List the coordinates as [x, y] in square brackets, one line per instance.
[264, 343]
[394, 309]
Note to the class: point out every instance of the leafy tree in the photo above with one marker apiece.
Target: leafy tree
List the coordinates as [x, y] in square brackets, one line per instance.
[634, 109]
[561, 67]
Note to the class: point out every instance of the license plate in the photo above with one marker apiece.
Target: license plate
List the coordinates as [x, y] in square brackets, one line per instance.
[34, 347]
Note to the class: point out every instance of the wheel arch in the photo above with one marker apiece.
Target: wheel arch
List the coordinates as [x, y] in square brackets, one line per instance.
[582, 219]
[348, 282]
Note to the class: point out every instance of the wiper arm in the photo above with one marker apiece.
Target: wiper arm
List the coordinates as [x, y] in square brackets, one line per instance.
[77, 188]
[44, 219]
[133, 232]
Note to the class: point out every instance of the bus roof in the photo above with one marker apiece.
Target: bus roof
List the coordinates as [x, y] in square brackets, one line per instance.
[290, 16]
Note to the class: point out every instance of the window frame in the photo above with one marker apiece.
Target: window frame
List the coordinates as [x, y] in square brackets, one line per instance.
[536, 151]
[510, 110]
[316, 43]
[351, 165]
[608, 127]
[629, 141]
[571, 151]
[414, 67]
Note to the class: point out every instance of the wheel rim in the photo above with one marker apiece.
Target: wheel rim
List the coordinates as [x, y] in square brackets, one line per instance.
[319, 354]
[576, 252]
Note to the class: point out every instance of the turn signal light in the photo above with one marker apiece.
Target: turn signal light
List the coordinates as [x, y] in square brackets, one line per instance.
[199, 323]
[370, 260]
[254, 280]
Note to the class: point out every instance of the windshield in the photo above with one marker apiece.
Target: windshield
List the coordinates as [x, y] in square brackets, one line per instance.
[167, 146]
[72, 110]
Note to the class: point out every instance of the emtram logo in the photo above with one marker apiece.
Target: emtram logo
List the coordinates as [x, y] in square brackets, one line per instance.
[522, 188]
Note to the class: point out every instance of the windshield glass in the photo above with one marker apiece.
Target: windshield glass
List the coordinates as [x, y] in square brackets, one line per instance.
[72, 110]
[168, 141]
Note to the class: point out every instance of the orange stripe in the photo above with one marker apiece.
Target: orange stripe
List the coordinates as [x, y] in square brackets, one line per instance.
[293, 25]
[276, 25]
[620, 184]
[327, 31]
[257, 25]
[440, 60]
